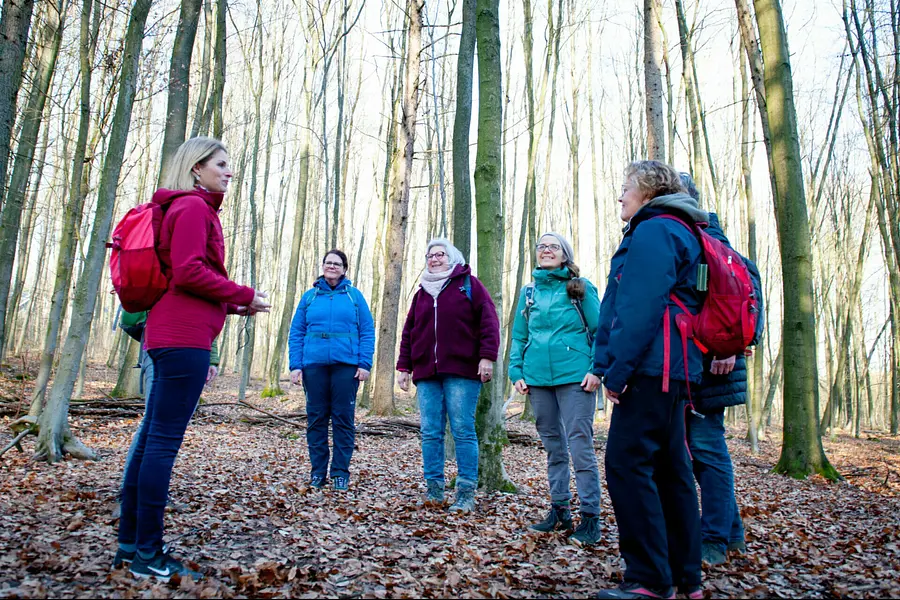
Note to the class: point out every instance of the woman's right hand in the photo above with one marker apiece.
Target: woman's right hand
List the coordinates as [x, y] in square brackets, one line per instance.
[521, 387]
[403, 380]
[297, 377]
[259, 303]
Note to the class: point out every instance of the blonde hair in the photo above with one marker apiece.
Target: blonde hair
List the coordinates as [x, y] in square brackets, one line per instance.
[654, 178]
[179, 171]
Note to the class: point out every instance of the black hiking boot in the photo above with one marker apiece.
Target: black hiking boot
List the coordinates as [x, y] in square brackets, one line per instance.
[317, 482]
[588, 532]
[712, 555]
[739, 546]
[434, 496]
[465, 500]
[559, 518]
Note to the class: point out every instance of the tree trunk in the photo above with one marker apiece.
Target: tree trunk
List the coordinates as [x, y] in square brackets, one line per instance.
[55, 438]
[401, 173]
[656, 122]
[462, 184]
[490, 421]
[687, 60]
[802, 453]
[128, 382]
[217, 98]
[47, 52]
[179, 82]
[14, 26]
[206, 67]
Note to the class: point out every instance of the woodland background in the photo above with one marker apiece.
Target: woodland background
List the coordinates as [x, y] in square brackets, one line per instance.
[373, 126]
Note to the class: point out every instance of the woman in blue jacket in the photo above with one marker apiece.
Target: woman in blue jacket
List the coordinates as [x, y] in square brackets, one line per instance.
[645, 370]
[331, 346]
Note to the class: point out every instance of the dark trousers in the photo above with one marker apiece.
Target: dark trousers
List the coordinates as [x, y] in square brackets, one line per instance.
[330, 398]
[178, 378]
[648, 473]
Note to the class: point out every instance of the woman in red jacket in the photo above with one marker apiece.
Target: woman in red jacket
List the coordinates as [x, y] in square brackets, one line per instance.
[179, 332]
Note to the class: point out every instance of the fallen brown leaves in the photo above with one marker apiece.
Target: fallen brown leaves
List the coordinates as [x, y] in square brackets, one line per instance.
[245, 517]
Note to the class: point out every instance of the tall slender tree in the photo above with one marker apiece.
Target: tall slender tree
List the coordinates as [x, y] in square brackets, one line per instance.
[55, 438]
[656, 121]
[462, 123]
[802, 453]
[490, 421]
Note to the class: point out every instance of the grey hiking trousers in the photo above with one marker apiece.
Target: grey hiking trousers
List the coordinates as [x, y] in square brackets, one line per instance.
[564, 418]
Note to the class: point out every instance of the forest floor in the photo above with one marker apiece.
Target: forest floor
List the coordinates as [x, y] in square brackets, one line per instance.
[243, 515]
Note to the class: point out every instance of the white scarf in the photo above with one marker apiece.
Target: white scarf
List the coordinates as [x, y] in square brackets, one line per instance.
[433, 283]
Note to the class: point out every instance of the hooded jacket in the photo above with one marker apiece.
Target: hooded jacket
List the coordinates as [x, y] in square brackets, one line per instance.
[549, 345]
[191, 249]
[450, 334]
[332, 326]
[657, 257]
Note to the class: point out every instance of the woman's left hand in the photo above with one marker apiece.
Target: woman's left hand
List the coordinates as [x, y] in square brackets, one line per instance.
[590, 383]
[485, 370]
[361, 374]
[211, 373]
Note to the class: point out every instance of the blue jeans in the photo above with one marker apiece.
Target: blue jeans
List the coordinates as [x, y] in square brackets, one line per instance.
[330, 398]
[454, 398]
[720, 521]
[178, 379]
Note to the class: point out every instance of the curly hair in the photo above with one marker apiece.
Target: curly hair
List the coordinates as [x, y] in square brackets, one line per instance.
[654, 178]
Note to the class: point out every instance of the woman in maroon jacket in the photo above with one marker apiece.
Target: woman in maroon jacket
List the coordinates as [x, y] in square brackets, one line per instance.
[449, 344]
[179, 332]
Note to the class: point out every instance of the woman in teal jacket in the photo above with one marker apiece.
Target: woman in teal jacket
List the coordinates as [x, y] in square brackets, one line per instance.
[551, 360]
[331, 346]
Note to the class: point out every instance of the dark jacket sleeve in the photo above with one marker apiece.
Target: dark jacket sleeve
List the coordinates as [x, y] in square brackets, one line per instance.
[649, 274]
[404, 358]
[721, 391]
[489, 324]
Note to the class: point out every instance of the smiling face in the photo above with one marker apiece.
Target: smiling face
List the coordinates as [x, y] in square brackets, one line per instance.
[632, 199]
[549, 253]
[437, 260]
[214, 174]
[333, 268]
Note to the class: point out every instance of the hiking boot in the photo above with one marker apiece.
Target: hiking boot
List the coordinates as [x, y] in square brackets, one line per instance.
[588, 532]
[435, 493]
[465, 500]
[712, 554]
[692, 592]
[739, 546]
[636, 590]
[559, 518]
[317, 482]
[162, 566]
[341, 484]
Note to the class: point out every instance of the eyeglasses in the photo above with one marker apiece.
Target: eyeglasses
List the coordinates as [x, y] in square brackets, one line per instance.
[553, 247]
[437, 255]
[336, 265]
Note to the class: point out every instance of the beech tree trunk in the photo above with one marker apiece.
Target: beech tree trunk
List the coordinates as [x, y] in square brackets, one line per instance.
[490, 421]
[656, 121]
[55, 438]
[462, 185]
[401, 173]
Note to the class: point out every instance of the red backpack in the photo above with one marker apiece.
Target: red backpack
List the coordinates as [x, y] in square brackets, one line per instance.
[726, 323]
[134, 264]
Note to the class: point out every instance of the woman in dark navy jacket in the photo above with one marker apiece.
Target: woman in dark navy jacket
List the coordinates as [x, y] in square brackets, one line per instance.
[331, 346]
[639, 354]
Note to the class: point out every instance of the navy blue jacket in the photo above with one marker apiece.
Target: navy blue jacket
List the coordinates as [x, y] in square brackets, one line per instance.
[332, 326]
[720, 391]
[657, 257]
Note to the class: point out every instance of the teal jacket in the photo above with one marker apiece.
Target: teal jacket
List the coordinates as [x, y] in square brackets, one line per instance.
[550, 346]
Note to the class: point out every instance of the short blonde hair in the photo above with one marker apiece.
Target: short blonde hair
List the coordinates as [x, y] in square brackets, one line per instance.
[654, 178]
[198, 150]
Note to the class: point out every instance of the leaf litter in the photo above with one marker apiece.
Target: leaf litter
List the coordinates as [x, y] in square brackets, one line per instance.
[241, 513]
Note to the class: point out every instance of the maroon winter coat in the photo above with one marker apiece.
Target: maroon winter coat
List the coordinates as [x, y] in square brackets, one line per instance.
[465, 331]
[192, 253]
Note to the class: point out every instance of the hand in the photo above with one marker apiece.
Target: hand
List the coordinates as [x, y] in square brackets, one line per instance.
[259, 304]
[485, 370]
[590, 383]
[748, 351]
[614, 396]
[403, 380]
[361, 374]
[211, 374]
[297, 377]
[521, 387]
[722, 366]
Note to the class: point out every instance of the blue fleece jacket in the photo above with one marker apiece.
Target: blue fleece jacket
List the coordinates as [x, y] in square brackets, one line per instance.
[332, 326]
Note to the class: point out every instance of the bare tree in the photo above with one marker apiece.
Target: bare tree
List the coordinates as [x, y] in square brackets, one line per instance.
[656, 123]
